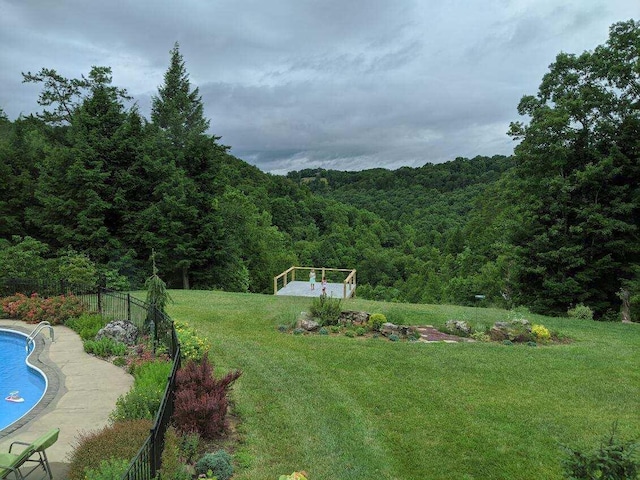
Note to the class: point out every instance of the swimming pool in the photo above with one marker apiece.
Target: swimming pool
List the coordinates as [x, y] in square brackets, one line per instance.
[17, 374]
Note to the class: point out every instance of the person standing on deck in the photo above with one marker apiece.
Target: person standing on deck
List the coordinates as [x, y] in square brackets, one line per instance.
[312, 279]
[324, 286]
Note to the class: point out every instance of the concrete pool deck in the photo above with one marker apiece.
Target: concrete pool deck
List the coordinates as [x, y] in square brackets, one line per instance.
[82, 392]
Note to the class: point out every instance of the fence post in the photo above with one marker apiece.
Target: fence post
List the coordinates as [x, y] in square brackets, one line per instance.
[153, 451]
[128, 307]
[100, 300]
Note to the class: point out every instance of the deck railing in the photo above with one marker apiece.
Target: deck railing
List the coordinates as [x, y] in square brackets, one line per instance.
[289, 275]
[118, 306]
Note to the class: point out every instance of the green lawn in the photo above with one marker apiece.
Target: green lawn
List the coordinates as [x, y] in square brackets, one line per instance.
[352, 408]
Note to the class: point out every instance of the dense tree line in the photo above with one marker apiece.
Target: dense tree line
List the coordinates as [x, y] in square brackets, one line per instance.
[88, 180]
[555, 225]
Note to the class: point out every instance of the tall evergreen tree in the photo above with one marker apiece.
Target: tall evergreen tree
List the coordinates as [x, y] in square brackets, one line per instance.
[178, 114]
[79, 194]
[178, 109]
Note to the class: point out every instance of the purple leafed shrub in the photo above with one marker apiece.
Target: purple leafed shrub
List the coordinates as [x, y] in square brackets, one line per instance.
[201, 400]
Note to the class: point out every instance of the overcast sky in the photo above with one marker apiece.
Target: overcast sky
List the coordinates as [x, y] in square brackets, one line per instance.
[341, 84]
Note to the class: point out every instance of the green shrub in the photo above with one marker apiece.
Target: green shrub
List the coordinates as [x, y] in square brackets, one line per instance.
[507, 342]
[143, 400]
[119, 361]
[189, 444]
[298, 331]
[136, 404]
[77, 268]
[326, 310]
[192, 347]
[532, 344]
[350, 334]
[282, 328]
[376, 321]
[323, 331]
[614, 459]
[581, 312]
[86, 325]
[111, 469]
[120, 440]
[219, 463]
[393, 337]
[481, 336]
[105, 347]
[335, 329]
[360, 331]
[153, 374]
[172, 466]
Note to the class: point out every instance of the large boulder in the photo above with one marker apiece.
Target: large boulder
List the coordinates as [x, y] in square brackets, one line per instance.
[518, 330]
[388, 328]
[308, 324]
[120, 331]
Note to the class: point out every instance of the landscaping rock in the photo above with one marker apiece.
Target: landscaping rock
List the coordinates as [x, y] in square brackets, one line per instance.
[401, 330]
[517, 331]
[308, 324]
[354, 317]
[120, 331]
[459, 327]
[388, 328]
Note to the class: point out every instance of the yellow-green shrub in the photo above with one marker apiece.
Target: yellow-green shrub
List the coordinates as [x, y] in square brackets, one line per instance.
[192, 347]
[541, 332]
[376, 321]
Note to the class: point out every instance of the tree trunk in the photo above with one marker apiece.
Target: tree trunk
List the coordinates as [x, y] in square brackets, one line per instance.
[626, 307]
[185, 278]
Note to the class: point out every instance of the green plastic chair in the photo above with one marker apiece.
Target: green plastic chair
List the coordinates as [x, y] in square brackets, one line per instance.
[34, 452]
[11, 462]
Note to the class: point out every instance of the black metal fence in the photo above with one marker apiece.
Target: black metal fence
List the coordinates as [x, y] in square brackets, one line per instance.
[119, 306]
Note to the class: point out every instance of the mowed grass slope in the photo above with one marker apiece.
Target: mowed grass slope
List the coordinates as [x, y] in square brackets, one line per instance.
[353, 408]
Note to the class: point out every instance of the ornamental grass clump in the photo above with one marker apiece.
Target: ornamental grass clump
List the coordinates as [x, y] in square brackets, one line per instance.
[201, 400]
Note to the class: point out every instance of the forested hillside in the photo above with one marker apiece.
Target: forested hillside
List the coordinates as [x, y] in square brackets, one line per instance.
[91, 188]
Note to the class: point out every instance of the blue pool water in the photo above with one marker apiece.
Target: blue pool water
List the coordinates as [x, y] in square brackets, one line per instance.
[17, 374]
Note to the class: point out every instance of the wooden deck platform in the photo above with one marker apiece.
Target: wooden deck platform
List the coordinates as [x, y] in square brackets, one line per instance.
[341, 282]
[298, 288]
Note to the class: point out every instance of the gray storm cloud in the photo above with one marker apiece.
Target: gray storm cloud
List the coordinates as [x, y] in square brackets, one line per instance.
[292, 84]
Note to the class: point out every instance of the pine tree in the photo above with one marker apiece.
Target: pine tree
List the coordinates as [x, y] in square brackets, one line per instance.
[178, 110]
[193, 157]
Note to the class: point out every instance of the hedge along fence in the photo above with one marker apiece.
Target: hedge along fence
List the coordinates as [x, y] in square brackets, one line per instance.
[119, 306]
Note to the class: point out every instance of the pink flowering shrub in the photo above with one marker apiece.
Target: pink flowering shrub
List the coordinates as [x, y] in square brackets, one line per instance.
[35, 309]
